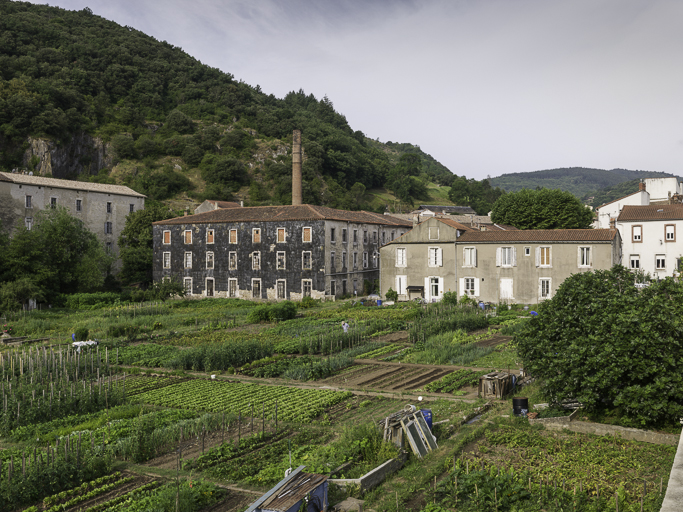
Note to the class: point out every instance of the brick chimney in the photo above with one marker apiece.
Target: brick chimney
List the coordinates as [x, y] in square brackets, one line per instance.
[297, 194]
[641, 186]
[613, 223]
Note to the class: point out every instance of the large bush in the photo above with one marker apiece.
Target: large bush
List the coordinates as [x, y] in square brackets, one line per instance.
[607, 344]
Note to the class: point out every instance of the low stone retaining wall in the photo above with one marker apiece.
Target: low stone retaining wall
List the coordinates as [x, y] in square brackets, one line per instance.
[375, 477]
[600, 429]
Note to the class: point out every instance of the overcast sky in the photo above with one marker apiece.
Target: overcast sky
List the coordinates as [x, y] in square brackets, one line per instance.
[485, 86]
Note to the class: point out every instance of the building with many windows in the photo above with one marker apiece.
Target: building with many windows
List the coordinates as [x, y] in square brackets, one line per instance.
[273, 252]
[524, 266]
[527, 266]
[652, 238]
[102, 208]
[421, 263]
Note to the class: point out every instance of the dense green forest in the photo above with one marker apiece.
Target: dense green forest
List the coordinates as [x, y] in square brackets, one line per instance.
[65, 72]
[580, 181]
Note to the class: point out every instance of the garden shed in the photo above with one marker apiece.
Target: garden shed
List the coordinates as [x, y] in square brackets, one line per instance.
[495, 385]
[291, 491]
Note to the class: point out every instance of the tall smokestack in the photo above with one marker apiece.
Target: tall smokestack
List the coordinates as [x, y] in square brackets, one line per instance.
[296, 168]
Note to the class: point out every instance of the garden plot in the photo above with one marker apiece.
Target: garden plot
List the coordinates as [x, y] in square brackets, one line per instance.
[291, 404]
[388, 377]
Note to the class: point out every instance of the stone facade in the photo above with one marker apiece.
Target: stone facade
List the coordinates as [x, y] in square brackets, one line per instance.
[102, 208]
[248, 253]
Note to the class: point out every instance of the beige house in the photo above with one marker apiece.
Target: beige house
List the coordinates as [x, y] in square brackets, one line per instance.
[102, 208]
[421, 263]
[527, 266]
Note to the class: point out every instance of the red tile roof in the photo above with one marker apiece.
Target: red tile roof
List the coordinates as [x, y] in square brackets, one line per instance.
[499, 227]
[285, 213]
[225, 204]
[651, 212]
[454, 224]
[540, 235]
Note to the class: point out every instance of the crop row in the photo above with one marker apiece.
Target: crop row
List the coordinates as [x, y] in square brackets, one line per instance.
[379, 352]
[129, 496]
[141, 384]
[64, 495]
[454, 381]
[298, 405]
[91, 494]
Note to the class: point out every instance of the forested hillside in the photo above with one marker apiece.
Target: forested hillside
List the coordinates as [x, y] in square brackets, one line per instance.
[608, 194]
[174, 126]
[580, 181]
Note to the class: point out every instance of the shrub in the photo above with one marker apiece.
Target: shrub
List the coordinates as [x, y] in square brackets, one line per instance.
[450, 298]
[259, 314]
[272, 312]
[391, 295]
[307, 302]
[81, 333]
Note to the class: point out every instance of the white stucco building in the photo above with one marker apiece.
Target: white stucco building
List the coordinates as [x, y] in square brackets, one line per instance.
[652, 237]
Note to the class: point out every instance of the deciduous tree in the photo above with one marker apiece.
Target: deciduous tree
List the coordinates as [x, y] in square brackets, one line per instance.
[602, 341]
[541, 209]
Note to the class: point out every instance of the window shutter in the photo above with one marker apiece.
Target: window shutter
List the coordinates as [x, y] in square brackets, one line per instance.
[590, 255]
[441, 287]
[498, 255]
[514, 256]
[461, 287]
[398, 285]
[550, 256]
[439, 257]
[474, 251]
[476, 287]
[538, 256]
[578, 257]
[540, 289]
[427, 296]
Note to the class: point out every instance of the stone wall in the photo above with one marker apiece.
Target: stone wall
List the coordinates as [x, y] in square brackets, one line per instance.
[375, 477]
[600, 429]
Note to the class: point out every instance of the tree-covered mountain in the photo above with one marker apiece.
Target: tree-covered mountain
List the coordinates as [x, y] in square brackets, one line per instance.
[170, 126]
[580, 181]
[609, 194]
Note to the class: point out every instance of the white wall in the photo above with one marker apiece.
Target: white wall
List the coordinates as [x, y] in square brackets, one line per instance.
[612, 210]
[659, 188]
[653, 243]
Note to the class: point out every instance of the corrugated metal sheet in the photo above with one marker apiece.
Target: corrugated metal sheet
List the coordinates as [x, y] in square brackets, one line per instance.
[293, 492]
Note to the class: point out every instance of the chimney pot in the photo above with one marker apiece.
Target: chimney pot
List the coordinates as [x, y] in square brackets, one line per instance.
[613, 223]
[641, 186]
[186, 212]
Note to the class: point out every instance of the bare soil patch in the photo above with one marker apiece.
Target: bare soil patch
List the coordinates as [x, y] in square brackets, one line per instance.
[494, 341]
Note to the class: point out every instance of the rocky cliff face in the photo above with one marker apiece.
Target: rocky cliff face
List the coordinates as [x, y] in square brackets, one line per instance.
[84, 154]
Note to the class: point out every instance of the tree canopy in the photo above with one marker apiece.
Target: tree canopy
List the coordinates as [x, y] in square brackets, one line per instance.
[541, 209]
[59, 255]
[136, 246]
[479, 195]
[604, 342]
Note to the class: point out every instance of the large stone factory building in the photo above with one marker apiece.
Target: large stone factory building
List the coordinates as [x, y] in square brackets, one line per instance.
[102, 208]
[273, 252]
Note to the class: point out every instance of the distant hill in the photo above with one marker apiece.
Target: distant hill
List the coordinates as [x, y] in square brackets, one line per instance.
[581, 181]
